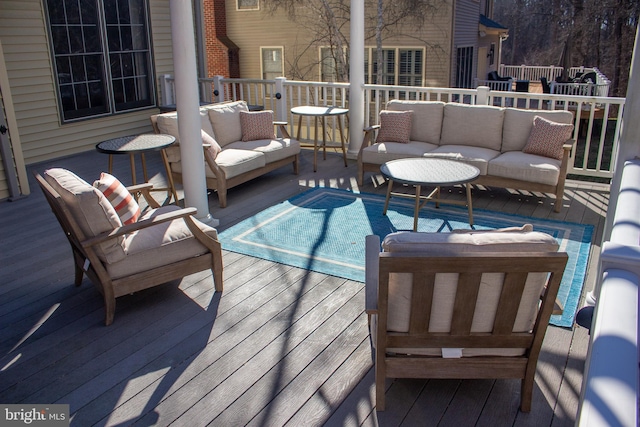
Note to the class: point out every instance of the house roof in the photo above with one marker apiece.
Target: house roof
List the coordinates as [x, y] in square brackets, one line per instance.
[490, 23]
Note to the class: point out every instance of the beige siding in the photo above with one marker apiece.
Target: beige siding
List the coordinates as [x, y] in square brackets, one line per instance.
[252, 29]
[25, 40]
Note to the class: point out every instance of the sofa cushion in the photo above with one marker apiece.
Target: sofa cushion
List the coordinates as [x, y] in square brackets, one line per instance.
[91, 210]
[273, 149]
[256, 125]
[445, 285]
[122, 201]
[168, 123]
[426, 123]
[225, 120]
[210, 144]
[518, 123]
[395, 126]
[159, 245]
[475, 125]
[236, 162]
[476, 156]
[547, 138]
[525, 167]
[378, 154]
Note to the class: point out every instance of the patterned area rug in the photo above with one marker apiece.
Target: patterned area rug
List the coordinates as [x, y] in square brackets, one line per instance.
[323, 230]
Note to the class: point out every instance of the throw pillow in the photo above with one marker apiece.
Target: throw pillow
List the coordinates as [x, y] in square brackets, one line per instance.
[547, 138]
[210, 144]
[256, 125]
[122, 201]
[395, 126]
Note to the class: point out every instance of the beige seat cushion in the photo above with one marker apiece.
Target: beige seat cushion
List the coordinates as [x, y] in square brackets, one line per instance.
[475, 125]
[445, 286]
[525, 167]
[426, 121]
[91, 210]
[378, 154]
[236, 162]
[476, 156]
[518, 123]
[273, 149]
[159, 245]
[225, 120]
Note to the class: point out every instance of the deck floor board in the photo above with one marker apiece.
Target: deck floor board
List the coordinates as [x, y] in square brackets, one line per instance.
[280, 346]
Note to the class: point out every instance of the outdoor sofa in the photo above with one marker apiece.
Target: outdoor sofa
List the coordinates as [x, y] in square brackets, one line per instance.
[239, 145]
[512, 148]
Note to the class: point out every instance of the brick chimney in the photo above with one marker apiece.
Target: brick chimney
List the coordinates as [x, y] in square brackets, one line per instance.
[221, 53]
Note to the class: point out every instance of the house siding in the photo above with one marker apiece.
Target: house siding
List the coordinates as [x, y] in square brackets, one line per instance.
[466, 31]
[26, 49]
[251, 30]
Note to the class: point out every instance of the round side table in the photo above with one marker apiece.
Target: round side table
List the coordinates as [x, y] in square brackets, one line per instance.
[140, 144]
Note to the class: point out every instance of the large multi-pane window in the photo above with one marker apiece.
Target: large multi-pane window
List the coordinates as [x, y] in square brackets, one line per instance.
[399, 67]
[102, 56]
[330, 70]
[464, 67]
[272, 65]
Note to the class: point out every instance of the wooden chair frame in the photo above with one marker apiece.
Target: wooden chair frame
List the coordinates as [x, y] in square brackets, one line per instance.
[470, 267]
[87, 261]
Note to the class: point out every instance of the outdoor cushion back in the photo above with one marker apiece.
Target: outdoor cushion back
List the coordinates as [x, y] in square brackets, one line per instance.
[445, 287]
[426, 123]
[225, 120]
[475, 125]
[518, 124]
[90, 209]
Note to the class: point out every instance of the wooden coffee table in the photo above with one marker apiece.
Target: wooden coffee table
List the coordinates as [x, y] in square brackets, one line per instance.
[432, 172]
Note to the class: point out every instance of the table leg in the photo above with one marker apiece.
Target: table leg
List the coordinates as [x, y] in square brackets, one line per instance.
[324, 138]
[386, 200]
[144, 167]
[344, 151]
[167, 168]
[132, 160]
[299, 128]
[110, 164]
[416, 209]
[315, 144]
[469, 203]
[437, 194]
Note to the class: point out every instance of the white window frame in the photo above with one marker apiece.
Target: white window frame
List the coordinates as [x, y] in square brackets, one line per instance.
[262, 49]
[247, 8]
[370, 55]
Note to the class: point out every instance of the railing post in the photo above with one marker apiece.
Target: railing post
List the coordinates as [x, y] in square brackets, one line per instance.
[218, 89]
[281, 100]
[482, 97]
[166, 83]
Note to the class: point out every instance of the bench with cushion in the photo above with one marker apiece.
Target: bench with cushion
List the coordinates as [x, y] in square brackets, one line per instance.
[239, 145]
[513, 148]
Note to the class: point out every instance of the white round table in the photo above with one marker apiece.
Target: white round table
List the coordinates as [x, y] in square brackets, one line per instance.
[429, 171]
[321, 113]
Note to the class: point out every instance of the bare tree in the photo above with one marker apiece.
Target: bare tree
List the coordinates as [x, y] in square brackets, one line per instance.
[327, 23]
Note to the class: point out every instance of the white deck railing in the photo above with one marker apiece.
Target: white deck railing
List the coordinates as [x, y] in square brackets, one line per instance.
[597, 127]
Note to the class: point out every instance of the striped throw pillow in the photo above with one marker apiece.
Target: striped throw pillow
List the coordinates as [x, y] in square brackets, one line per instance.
[122, 201]
[256, 125]
[547, 138]
[395, 126]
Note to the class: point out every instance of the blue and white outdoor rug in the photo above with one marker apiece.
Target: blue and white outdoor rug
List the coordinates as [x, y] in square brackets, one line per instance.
[324, 230]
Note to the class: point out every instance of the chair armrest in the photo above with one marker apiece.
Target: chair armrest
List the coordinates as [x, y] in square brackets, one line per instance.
[283, 129]
[371, 128]
[145, 223]
[145, 190]
[371, 269]
[280, 123]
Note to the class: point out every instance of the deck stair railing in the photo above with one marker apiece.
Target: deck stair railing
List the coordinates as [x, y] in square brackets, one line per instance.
[597, 126]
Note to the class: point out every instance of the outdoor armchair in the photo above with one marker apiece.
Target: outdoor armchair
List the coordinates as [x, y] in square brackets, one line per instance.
[122, 249]
[461, 305]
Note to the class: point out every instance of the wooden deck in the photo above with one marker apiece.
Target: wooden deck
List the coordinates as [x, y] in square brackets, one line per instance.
[280, 346]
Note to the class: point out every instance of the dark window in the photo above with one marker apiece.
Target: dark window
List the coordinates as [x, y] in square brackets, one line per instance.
[102, 56]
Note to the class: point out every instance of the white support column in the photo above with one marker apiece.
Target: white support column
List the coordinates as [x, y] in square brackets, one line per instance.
[188, 107]
[356, 78]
